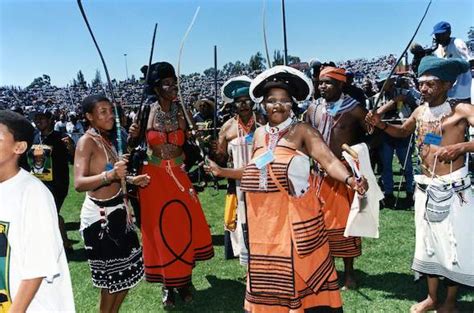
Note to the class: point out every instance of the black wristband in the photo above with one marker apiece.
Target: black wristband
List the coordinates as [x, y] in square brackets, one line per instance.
[346, 181]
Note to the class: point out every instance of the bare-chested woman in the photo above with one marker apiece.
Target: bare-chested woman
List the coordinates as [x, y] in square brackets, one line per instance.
[112, 246]
[175, 233]
[444, 204]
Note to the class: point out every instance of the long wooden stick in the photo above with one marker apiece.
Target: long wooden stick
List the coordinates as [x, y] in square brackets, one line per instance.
[117, 118]
[269, 63]
[382, 90]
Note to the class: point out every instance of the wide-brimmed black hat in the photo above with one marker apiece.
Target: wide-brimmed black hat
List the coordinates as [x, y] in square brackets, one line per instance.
[158, 71]
[298, 85]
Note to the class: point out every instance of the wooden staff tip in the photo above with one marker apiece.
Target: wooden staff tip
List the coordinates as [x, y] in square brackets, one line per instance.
[349, 150]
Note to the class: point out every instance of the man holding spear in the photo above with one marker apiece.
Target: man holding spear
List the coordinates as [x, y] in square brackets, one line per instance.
[443, 200]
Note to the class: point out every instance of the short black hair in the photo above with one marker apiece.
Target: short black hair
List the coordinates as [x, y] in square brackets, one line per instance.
[19, 126]
[89, 102]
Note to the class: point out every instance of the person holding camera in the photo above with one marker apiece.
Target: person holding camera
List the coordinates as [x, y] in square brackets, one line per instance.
[397, 103]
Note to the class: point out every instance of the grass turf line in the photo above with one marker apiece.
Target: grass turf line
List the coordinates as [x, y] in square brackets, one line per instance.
[383, 271]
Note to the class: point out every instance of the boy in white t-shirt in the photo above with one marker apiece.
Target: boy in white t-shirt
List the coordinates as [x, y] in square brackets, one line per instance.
[34, 274]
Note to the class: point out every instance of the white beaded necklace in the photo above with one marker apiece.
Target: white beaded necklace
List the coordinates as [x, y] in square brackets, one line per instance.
[274, 132]
[432, 114]
[274, 135]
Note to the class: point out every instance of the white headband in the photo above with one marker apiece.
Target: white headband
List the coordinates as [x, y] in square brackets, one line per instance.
[427, 78]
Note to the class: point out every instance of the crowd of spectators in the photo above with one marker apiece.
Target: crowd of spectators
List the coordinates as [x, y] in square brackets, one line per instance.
[63, 100]
[368, 69]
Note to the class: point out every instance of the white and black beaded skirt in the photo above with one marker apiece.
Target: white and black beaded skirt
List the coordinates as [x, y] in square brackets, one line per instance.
[114, 253]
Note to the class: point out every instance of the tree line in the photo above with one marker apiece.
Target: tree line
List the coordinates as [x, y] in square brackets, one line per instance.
[256, 63]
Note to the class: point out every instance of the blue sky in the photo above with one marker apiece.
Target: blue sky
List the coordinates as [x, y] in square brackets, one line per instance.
[49, 36]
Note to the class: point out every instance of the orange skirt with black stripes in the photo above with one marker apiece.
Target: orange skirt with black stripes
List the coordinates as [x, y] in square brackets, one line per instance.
[290, 267]
[175, 233]
[337, 199]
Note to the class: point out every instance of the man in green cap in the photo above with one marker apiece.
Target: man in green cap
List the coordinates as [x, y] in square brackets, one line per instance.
[444, 203]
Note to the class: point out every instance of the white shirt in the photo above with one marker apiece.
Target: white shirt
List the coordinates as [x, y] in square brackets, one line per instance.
[132, 116]
[457, 49]
[298, 174]
[29, 219]
[60, 126]
[75, 131]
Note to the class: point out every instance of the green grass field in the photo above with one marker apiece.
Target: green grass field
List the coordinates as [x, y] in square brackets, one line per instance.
[383, 271]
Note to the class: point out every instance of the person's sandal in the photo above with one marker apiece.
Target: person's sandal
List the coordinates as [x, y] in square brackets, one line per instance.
[167, 298]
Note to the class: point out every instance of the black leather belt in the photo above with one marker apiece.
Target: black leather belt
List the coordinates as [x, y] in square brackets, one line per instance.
[109, 203]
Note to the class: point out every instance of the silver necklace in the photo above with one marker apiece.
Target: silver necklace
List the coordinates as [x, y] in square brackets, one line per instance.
[166, 121]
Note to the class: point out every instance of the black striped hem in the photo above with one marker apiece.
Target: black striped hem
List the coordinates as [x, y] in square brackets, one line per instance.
[318, 309]
[271, 275]
[321, 274]
[293, 301]
[167, 281]
[343, 247]
[332, 285]
[290, 303]
[204, 253]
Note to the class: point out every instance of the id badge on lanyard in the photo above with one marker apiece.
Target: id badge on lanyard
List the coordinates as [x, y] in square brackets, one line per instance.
[432, 139]
[264, 159]
[249, 138]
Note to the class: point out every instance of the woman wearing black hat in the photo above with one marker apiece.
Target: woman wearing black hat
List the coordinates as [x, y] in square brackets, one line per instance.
[290, 267]
[175, 233]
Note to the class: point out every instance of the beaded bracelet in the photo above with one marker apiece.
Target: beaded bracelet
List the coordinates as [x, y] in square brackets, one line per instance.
[105, 179]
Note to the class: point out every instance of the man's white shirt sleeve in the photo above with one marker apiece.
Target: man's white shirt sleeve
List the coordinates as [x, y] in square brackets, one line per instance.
[42, 244]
